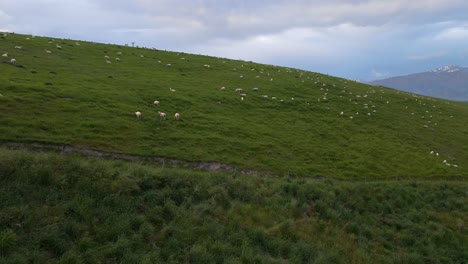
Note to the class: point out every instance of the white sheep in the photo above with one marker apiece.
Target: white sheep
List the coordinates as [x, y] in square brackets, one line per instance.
[177, 116]
[5, 54]
[222, 88]
[18, 47]
[162, 116]
[138, 115]
[48, 51]
[341, 113]
[243, 95]
[172, 90]
[13, 61]
[156, 102]
[239, 90]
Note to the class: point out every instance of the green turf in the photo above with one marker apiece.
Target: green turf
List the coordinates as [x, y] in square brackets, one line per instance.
[72, 96]
[69, 209]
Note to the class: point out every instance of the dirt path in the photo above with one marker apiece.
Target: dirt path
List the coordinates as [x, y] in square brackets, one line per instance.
[67, 149]
[212, 166]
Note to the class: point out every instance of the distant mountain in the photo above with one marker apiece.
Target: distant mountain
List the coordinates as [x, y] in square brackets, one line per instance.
[448, 82]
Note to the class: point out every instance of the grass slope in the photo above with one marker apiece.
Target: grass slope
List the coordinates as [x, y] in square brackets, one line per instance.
[73, 96]
[65, 209]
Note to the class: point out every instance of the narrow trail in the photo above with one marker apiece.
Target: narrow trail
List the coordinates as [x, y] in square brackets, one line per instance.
[173, 163]
[211, 166]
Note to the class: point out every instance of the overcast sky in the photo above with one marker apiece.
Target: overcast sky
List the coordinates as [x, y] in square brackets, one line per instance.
[355, 39]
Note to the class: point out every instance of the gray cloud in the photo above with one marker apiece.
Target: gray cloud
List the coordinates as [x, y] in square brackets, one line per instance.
[312, 34]
[428, 55]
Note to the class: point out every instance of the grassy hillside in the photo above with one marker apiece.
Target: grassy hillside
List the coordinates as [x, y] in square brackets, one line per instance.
[73, 96]
[65, 209]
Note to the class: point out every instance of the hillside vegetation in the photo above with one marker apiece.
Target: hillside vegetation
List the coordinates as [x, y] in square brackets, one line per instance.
[68, 209]
[64, 92]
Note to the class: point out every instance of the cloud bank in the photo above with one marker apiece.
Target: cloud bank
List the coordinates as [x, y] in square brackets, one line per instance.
[352, 38]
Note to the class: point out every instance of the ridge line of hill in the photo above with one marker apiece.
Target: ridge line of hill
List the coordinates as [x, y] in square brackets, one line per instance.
[210, 166]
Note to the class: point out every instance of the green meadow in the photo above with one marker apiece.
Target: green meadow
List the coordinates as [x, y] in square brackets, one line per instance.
[72, 96]
[71, 209]
[339, 171]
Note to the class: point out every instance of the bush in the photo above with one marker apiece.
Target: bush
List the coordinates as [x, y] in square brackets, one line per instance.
[8, 239]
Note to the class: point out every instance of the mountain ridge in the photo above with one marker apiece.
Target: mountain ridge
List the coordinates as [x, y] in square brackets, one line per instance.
[447, 82]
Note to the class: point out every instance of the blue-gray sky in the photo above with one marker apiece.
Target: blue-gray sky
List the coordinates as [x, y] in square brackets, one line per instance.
[355, 39]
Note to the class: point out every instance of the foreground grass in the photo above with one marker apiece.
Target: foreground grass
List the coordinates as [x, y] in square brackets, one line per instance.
[72, 96]
[69, 209]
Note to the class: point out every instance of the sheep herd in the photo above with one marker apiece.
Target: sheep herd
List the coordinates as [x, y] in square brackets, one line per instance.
[365, 98]
[162, 115]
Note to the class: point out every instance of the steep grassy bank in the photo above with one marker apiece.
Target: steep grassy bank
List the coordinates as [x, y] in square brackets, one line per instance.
[65, 209]
[73, 96]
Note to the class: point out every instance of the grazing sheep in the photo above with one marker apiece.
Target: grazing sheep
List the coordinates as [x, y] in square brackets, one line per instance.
[156, 103]
[177, 116]
[106, 57]
[48, 51]
[239, 90]
[432, 152]
[172, 90]
[18, 47]
[341, 113]
[138, 115]
[222, 88]
[117, 59]
[243, 95]
[162, 116]
[13, 61]
[5, 54]
[255, 89]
